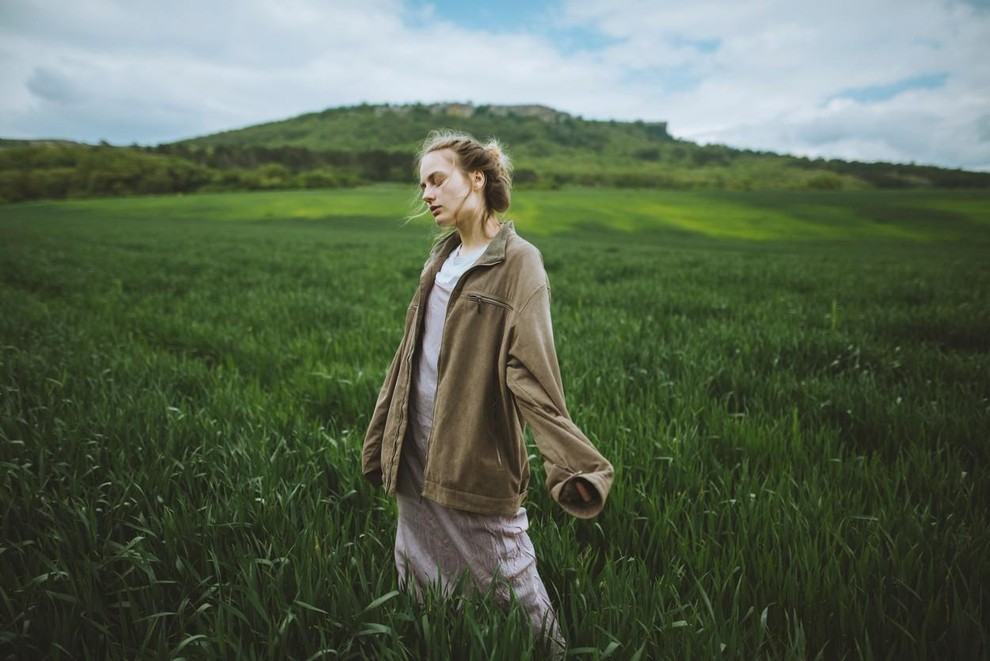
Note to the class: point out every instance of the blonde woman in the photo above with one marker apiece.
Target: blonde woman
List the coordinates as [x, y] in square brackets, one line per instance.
[475, 365]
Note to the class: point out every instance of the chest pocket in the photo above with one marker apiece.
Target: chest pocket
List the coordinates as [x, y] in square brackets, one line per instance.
[481, 301]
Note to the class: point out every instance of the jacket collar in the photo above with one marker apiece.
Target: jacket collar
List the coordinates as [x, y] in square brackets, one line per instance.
[494, 253]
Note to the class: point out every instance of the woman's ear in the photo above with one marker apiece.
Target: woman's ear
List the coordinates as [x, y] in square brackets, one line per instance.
[477, 179]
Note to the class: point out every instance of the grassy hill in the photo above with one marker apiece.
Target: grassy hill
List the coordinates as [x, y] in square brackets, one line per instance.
[552, 148]
[343, 147]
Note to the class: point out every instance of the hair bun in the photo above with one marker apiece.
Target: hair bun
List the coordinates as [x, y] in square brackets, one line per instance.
[495, 149]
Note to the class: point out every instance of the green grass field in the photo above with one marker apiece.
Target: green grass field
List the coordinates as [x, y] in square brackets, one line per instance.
[794, 389]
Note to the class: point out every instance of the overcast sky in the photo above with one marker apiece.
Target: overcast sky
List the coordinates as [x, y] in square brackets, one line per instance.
[893, 80]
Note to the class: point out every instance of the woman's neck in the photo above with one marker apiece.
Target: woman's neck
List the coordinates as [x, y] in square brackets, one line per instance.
[478, 234]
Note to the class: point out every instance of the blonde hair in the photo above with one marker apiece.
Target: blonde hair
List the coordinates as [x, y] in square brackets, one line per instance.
[472, 156]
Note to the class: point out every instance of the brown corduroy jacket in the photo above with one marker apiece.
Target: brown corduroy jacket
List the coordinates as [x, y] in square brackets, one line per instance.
[497, 372]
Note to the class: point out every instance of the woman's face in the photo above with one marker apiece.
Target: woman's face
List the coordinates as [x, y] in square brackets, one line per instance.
[452, 196]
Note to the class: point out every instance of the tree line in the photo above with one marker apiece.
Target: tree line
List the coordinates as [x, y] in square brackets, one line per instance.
[59, 170]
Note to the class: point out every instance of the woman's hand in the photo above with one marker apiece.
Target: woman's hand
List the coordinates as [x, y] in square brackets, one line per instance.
[583, 490]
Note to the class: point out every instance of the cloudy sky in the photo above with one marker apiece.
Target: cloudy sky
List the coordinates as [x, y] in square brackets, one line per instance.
[893, 80]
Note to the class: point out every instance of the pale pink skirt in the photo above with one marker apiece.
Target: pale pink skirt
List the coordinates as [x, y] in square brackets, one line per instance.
[437, 546]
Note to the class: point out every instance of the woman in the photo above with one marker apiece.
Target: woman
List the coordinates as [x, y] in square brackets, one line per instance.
[475, 364]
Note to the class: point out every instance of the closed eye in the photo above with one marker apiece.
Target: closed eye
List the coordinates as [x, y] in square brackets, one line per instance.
[435, 178]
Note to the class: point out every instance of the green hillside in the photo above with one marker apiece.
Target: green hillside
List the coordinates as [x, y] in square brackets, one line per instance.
[346, 147]
[535, 131]
[552, 148]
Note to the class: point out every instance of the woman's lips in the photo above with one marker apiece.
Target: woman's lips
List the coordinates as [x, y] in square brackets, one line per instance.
[434, 209]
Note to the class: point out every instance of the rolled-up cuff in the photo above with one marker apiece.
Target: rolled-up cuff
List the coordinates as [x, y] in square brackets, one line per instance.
[567, 496]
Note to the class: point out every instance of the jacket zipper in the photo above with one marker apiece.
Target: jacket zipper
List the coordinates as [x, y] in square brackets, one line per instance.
[453, 295]
[489, 300]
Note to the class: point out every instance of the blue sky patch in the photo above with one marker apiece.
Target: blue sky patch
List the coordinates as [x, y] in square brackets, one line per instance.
[666, 80]
[704, 46]
[519, 16]
[494, 15]
[876, 93]
[579, 39]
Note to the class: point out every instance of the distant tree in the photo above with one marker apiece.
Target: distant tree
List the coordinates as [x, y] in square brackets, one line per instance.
[526, 176]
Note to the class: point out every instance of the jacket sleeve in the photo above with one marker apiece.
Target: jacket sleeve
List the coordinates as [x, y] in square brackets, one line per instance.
[533, 376]
[371, 455]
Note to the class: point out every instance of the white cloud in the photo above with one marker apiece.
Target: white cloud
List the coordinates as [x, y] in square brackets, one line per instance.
[155, 71]
[778, 63]
[766, 74]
